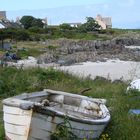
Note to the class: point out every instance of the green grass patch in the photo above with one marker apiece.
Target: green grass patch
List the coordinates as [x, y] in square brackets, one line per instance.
[29, 44]
[25, 52]
[123, 126]
[72, 34]
[25, 49]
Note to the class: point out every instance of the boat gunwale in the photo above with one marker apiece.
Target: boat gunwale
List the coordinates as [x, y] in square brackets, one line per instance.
[47, 111]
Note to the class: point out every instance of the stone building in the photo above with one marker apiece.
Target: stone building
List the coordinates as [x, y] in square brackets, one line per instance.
[104, 22]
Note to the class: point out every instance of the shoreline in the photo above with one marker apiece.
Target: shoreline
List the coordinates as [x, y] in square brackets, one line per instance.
[112, 69]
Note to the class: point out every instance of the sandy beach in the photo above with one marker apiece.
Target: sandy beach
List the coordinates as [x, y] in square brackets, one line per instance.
[112, 69]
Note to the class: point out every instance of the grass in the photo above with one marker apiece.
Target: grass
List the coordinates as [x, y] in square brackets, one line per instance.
[29, 48]
[29, 44]
[25, 52]
[1, 123]
[101, 35]
[25, 49]
[123, 126]
[72, 34]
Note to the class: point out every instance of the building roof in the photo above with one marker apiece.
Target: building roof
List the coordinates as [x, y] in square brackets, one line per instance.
[8, 24]
[107, 20]
[2, 26]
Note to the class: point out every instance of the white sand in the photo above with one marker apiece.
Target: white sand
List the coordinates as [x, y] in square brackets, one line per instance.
[112, 69]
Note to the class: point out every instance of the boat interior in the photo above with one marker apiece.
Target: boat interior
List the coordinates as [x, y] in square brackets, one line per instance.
[70, 105]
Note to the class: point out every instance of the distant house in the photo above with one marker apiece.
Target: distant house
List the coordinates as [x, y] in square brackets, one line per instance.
[5, 23]
[45, 22]
[104, 22]
[8, 24]
[75, 24]
[2, 26]
[2, 15]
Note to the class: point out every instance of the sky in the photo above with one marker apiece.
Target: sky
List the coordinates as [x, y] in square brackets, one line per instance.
[41, 4]
[124, 13]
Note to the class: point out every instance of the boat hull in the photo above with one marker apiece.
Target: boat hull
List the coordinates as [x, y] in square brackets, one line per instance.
[24, 125]
[23, 120]
[17, 123]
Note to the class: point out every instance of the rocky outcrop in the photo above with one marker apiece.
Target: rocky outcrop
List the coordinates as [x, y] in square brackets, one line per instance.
[71, 46]
[128, 41]
[46, 58]
[73, 51]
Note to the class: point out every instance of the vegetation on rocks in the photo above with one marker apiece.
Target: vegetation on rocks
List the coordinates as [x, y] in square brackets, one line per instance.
[123, 126]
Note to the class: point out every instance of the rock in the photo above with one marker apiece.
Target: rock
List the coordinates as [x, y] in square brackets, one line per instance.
[46, 58]
[99, 78]
[66, 62]
[73, 51]
[118, 81]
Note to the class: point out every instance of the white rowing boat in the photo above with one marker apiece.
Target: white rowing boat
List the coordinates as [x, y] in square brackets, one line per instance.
[35, 116]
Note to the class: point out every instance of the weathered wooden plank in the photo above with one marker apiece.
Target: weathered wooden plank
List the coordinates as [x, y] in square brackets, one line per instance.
[16, 129]
[16, 111]
[39, 134]
[32, 138]
[15, 102]
[17, 119]
[17, 126]
[15, 137]
[42, 123]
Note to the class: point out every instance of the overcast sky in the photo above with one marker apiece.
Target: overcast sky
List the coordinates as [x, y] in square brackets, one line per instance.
[124, 13]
